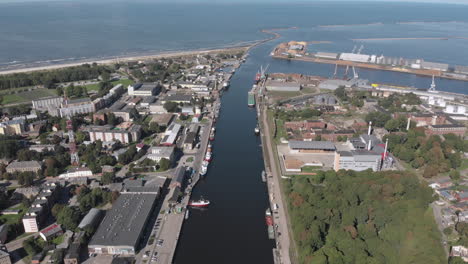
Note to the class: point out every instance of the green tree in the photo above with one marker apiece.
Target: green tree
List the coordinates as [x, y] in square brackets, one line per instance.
[107, 178]
[164, 164]
[69, 217]
[171, 107]
[31, 246]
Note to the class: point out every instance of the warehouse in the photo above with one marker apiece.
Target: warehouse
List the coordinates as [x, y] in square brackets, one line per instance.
[434, 66]
[171, 134]
[461, 69]
[311, 146]
[122, 228]
[283, 86]
[146, 89]
[326, 55]
[354, 57]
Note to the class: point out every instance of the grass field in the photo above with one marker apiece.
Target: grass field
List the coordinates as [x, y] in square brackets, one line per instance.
[95, 86]
[27, 96]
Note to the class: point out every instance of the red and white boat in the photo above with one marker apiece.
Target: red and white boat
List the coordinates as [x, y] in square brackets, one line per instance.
[199, 203]
[208, 156]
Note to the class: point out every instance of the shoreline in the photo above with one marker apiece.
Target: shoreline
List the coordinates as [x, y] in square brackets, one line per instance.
[124, 59]
[159, 55]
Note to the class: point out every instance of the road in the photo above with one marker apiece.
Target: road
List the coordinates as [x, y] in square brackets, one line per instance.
[276, 197]
[436, 209]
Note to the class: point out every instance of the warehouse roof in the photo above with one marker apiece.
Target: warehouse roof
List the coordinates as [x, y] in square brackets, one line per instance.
[91, 217]
[312, 145]
[24, 164]
[124, 223]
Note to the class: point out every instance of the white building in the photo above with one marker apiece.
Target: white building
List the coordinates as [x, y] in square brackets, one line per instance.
[77, 172]
[161, 152]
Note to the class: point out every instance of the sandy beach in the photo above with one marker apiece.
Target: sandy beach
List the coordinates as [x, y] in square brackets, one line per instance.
[126, 59]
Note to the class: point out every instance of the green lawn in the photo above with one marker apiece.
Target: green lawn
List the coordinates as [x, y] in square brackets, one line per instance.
[27, 96]
[95, 86]
[310, 169]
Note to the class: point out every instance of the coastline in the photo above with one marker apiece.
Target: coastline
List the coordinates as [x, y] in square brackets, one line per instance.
[169, 54]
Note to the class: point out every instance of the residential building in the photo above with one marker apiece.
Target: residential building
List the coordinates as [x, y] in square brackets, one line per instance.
[162, 119]
[189, 141]
[23, 166]
[178, 178]
[123, 226]
[107, 133]
[161, 152]
[12, 127]
[76, 107]
[47, 103]
[50, 232]
[144, 89]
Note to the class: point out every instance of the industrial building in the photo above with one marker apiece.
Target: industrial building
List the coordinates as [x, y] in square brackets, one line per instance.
[311, 146]
[357, 160]
[122, 228]
[434, 66]
[333, 84]
[92, 218]
[326, 55]
[445, 129]
[178, 98]
[461, 69]
[161, 152]
[355, 57]
[279, 86]
[77, 172]
[144, 89]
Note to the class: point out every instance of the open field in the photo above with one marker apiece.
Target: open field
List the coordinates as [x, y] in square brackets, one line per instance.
[27, 96]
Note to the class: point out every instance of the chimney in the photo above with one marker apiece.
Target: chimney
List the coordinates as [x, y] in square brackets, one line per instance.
[370, 128]
[409, 123]
[370, 145]
[385, 152]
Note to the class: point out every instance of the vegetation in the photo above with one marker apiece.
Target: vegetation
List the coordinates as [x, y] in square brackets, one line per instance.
[171, 107]
[297, 114]
[433, 154]
[377, 218]
[394, 103]
[52, 77]
[378, 119]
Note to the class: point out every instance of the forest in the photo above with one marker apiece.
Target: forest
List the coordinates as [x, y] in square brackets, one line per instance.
[49, 78]
[363, 217]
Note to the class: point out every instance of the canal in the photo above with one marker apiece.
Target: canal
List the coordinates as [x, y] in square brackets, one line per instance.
[233, 229]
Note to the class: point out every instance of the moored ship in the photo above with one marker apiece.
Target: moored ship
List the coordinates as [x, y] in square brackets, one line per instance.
[199, 203]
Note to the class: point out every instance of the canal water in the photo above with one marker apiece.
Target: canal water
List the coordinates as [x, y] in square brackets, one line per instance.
[233, 229]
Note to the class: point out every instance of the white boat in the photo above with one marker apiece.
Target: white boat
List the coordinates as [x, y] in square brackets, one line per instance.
[187, 214]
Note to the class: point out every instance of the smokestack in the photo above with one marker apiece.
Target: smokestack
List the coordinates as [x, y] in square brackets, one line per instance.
[370, 145]
[370, 128]
[385, 152]
[409, 123]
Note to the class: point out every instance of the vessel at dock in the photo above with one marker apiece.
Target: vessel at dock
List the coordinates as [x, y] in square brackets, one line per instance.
[257, 130]
[269, 223]
[204, 168]
[264, 179]
[199, 203]
[251, 96]
[187, 214]
[212, 134]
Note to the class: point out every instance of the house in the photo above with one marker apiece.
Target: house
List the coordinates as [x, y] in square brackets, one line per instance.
[41, 148]
[462, 196]
[23, 166]
[12, 127]
[456, 129]
[51, 232]
[73, 254]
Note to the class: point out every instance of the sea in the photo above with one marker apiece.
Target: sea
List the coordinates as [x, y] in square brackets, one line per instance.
[233, 229]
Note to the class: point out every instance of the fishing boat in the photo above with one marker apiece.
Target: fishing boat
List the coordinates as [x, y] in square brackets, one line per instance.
[257, 130]
[199, 203]
[264, 179]
[187, 214]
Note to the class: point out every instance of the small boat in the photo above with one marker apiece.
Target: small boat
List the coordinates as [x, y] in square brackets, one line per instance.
[264, 179]
[187, 214]
[226, 85]
[268, 217]
[257, 130]
[199, 203]
[208, 156]
[212, 134]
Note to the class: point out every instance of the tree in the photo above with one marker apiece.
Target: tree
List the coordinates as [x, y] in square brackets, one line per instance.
[57, 209]
[26, 178]
[31, 246]
[378, 119]
[107, 178]
[164, 164]
[69, 217]
[340, 92]
[454, 175]
[171, 107]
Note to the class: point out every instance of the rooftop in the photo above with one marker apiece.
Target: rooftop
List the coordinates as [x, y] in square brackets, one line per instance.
[124, 223]
[312, 145]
